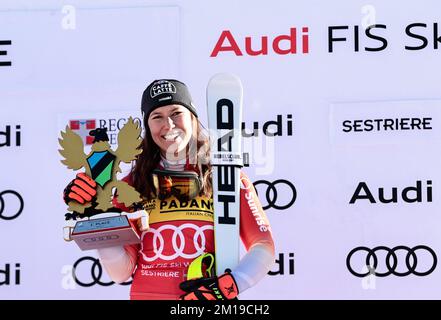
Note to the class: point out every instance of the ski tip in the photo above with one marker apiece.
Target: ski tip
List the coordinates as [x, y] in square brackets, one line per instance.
[227, 78]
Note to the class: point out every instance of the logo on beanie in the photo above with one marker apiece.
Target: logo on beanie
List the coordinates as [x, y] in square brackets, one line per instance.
[161, 87]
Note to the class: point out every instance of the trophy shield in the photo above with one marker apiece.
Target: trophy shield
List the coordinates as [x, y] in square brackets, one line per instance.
[99, 224]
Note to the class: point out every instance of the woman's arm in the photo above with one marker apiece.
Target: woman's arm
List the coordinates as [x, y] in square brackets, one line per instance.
[255, 232]
[119, 262]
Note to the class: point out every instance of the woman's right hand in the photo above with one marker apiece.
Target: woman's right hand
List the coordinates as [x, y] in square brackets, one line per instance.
[82, 189]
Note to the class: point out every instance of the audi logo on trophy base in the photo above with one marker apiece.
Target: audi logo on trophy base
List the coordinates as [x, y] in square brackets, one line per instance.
[8, 211]
[413, 258]
[272, 194]
[96, 273]
[101, 238]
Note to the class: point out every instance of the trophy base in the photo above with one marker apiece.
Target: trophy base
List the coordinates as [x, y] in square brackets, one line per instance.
[104, 232]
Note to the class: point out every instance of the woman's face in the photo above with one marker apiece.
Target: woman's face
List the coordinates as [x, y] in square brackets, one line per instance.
[171, 128]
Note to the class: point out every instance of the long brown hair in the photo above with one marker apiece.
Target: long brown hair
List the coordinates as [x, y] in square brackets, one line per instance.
[198, 153]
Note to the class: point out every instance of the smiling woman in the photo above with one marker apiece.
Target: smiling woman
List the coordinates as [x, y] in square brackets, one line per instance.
[171, 129]
[174, 173]
[174, 137]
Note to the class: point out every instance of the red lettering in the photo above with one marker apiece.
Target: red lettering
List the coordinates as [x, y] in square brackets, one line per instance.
[226, 35]
[283, 44]
[292, 42]
[251, 52]
[305, 40]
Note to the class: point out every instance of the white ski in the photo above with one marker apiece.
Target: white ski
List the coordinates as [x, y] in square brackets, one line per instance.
[224, 102]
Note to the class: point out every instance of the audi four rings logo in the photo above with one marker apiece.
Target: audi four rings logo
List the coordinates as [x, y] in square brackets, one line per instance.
[391, 261]
[178, 246]
[5, 212]
[272, 194]
[96, 272]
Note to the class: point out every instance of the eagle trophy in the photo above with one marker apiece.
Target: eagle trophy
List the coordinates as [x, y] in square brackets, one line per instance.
[102, 164]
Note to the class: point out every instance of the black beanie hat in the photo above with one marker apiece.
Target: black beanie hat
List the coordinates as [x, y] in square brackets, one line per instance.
[165, 92]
